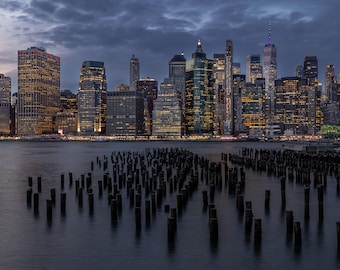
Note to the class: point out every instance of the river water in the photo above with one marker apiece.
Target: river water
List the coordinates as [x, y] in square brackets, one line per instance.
[82, 241]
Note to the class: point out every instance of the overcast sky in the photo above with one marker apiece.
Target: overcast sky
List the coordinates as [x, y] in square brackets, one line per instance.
[155, 30]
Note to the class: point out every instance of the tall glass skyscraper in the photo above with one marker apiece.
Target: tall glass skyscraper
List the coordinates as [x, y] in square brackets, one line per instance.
[38, 91]
[134, 72]
[228, 126]
[199, 98]
[92, 98]
[331, 87]
[5, 104]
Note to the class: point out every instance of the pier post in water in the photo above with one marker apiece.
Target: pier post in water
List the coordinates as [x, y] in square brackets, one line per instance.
[49, 205]
[63, 203]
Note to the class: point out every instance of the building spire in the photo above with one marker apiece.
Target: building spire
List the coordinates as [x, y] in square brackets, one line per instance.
[269, 33]
[199, 46]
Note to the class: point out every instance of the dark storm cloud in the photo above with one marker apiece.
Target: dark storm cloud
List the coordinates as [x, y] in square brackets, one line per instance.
[111, 31]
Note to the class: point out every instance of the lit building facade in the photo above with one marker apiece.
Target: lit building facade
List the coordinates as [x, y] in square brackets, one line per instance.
[125, 112]
[254, 68]
[134, 72]
[236, 68]
[229, 110]
[331, 87]
[167, 113]
[295, 105]
[239, 82]
[5, 105]
[67, 118]
[92, 99]
[149, 89]
[199, 97]
[219, 85]
[38, 91]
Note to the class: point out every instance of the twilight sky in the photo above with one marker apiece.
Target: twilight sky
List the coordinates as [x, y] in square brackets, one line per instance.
[155, 30]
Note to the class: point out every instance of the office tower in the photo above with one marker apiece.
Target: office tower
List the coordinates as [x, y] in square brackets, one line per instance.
[177, 73]
[310, 69]
[67, 118]
[331, 88]
[38, 91]
[167, 113]
[236, 68]
[294, 105]
[239, 82]
[125, 112]
[269, 63]
[199, 97]
[5, 104]
[270, 74]
[92, 98]
[134, 72]
[254, 108]
[219, 85]
[228, 126]
[149, 88]
[254, 68]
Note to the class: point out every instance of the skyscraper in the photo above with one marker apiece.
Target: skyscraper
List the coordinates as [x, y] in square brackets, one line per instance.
[38, 91]
[92, 98]
[228, 126]
[310, 69]
[177, 73]
[167, 113]
[67, 118]
[219, 85]
[331, 88]
[125, 112]
[270, 73]
[199, 98]
[269, 63]
[134, 72]
[149, 89]
[5, 104]
[254, 68]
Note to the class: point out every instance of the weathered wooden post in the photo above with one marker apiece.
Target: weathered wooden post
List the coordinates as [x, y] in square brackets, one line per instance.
[53, 195]
[70, 178]
[289, 222]
[30, 181]
[307, 191]
[248, 216]
[29, 193]
[205, 198]
[63, 203]
[297, 234]
[171, 228]
[138, 218]
[147, 212]
[320, 202]
[49, 204]
[91, 203]
[39, 183]
[257, 231]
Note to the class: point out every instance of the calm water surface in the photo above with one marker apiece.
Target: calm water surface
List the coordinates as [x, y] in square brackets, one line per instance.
[81, 241]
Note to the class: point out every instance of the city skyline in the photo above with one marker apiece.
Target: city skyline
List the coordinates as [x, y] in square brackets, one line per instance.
[112, 32]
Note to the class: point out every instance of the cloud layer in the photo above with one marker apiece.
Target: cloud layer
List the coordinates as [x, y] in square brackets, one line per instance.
[111, 31]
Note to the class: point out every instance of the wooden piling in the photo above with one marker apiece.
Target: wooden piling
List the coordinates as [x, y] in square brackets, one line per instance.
[267, 199]
[147, 212]
[29, 193]
[39, 183]
[289, 221]
[297, 234]
[49, 205]
[91, 203]
[171, 228]
[257, 231]
[138, 218]
[62, 181]
[63, 203]
[36, 203]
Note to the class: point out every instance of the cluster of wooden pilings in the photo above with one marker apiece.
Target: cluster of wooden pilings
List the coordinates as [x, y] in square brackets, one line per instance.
[149, 182]
[307, 169]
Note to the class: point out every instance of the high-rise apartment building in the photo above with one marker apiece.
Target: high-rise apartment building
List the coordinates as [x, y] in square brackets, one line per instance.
[236, 68]
[125, 112]
[92, 98]
[254, 68]
[149, 88]
[199, 98]
[5, 104]
[167, 113]
[38, 91]
[134, 72]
